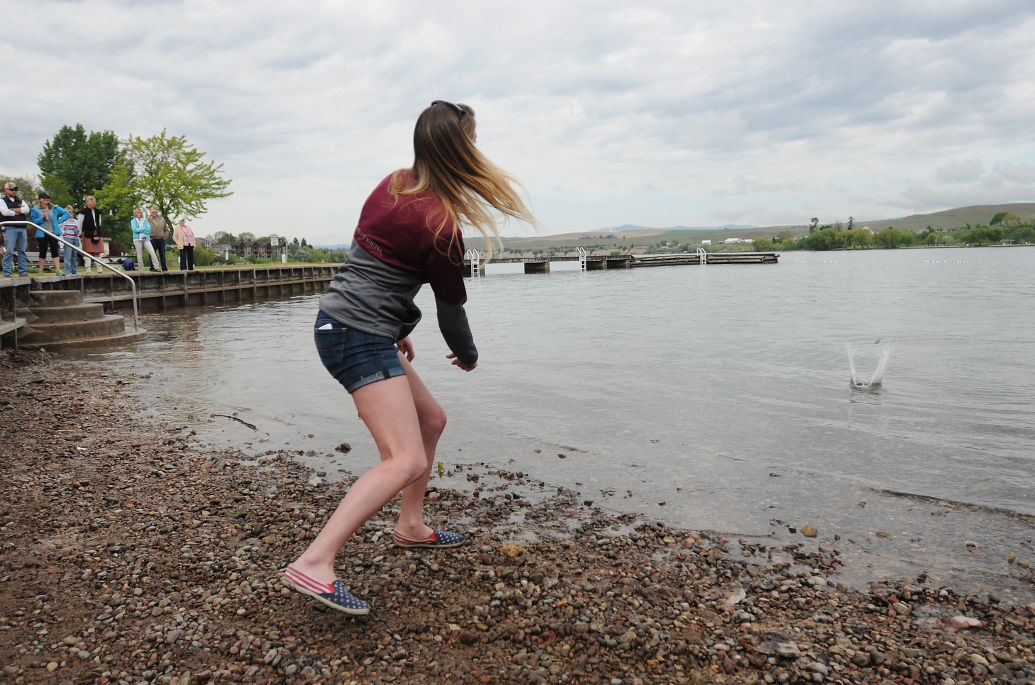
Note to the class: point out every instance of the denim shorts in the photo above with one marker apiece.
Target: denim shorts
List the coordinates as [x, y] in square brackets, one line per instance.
[353, 357]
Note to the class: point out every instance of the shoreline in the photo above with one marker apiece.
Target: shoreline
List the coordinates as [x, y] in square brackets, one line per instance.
[133, 553]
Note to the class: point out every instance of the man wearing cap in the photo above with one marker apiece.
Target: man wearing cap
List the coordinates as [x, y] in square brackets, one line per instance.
[13, 208]
[159, 234]
[50, 218]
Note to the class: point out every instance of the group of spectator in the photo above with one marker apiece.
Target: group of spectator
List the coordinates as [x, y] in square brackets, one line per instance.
[148, 233]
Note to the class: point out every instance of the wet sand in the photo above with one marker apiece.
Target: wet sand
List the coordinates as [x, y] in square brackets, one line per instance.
[133, 553]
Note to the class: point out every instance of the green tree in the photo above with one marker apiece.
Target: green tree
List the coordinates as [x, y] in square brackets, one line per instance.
[203, 256]
[851, 223]
[813, 223]
[982, 235]
[1007, 219]
[297, 253]
[76, 164]
[117, 200]
[824, 239]
[860, 237]
[1020, 234]
[893, 237]
[170, 174]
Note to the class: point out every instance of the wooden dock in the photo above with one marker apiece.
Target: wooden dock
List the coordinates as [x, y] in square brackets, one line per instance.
[625, 261]
[158, 291]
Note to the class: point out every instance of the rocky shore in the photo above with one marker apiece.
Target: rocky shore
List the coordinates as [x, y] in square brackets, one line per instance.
[132, 554]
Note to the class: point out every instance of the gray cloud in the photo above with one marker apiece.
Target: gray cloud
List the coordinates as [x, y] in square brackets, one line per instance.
[662, 114]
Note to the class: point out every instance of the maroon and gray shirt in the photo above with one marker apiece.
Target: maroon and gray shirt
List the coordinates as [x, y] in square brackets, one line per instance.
[394, 251]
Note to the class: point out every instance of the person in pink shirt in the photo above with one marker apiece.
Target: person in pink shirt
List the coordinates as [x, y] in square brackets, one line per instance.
[184, 239]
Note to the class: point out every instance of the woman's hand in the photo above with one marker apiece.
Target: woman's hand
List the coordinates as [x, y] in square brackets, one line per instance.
[406, 347]
[460, 364]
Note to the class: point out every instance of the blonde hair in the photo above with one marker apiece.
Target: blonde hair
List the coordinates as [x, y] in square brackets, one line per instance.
[448, 164]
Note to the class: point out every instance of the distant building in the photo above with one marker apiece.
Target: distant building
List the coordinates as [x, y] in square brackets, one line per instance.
[259, 250]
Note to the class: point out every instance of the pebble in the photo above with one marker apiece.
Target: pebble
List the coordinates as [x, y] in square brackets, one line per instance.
[168, 571]
[735, 597]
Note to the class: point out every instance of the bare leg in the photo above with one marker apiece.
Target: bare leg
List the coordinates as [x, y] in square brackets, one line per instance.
[432, 420]
[388, 409]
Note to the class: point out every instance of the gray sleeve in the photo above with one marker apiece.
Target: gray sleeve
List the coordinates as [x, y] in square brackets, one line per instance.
[452, 321]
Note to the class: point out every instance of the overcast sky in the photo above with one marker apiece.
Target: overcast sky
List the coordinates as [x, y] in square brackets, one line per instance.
[663, 114]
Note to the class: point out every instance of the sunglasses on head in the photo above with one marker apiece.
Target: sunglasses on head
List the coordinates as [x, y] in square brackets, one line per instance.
[459, 110]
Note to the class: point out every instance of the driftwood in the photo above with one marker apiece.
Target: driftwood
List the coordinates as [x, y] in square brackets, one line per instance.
[227, 416]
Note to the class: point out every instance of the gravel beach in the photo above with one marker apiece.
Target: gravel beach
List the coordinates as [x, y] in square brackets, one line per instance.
[131, 553]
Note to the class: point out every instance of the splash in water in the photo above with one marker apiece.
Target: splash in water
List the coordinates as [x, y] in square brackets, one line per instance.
[877, 353]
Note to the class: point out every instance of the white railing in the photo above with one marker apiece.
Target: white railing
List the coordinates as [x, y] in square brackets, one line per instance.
[703, 254]
[583, 257]
[86, 256]
[476, 260]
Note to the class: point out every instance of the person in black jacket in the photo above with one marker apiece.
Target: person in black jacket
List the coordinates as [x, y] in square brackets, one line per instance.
[90, 220]
[13, 208]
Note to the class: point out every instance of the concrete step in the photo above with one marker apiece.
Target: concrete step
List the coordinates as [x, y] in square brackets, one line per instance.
[76, 312]
[42, 332]
[54, 298]
[12, 325]
[104, 341]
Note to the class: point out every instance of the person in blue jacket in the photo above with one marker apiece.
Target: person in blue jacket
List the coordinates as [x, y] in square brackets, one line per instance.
[142, 238]
[49, 217]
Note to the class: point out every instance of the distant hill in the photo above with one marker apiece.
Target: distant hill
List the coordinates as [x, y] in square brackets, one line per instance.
[629, 236]
[950, 219]
[630, 227]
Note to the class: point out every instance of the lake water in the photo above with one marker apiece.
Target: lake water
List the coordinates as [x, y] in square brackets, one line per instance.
[714, 397]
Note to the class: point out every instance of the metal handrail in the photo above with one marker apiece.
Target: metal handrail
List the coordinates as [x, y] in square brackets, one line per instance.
[86, 255]
[476, 259]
